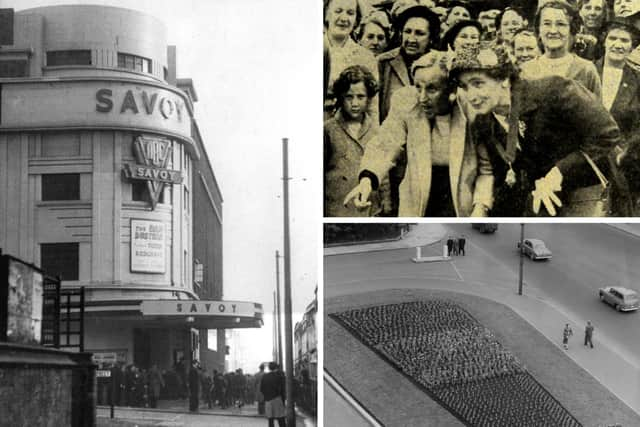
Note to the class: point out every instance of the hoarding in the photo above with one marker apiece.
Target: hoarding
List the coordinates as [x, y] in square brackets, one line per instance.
[22, 314]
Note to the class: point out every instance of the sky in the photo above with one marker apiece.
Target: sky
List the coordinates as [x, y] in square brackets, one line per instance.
[258, 81]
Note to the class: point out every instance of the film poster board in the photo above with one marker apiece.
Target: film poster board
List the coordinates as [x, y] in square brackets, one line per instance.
[148, 246]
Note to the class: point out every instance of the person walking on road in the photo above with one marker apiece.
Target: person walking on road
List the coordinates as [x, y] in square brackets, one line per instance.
[566, 334]
[461, 243]
[588, 334]
[449, 245]
[273, 388]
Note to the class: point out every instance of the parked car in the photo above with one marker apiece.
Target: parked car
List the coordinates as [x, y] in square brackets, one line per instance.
[485, 227]
[622, 299]
[535, 249]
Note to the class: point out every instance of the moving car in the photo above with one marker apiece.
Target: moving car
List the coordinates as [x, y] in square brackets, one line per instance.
[485, 227]
[622, 299]
[535, 249]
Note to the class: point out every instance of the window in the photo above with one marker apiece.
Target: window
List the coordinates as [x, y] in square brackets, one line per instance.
[140, 192]
[68, 57]
[186, 200]
[134, 62]
[60, 259]
[61, 186]
[13, 68]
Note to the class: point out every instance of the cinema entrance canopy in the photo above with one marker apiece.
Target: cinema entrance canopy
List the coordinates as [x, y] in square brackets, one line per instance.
[197, 314]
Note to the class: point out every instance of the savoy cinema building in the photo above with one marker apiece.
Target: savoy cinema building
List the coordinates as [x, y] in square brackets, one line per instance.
[105, 182]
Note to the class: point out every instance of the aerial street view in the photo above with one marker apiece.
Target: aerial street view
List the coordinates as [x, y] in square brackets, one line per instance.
[481, 324]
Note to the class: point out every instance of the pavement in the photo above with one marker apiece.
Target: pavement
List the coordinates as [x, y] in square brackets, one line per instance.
[633, 229]
[174, 413]
[419, 235]
[618, 374]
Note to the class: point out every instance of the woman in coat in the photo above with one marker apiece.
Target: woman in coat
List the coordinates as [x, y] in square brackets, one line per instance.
[557, 23]
[443, 176]
[621, 96]
[621, 83]
[534, 132]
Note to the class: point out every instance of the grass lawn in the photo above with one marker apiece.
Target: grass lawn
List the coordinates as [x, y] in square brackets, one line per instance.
[395, 400]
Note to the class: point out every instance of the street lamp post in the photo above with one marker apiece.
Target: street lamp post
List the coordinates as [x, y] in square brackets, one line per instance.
[521, 259]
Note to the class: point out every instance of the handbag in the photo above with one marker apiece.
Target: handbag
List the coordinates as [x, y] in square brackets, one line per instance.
[591, 201]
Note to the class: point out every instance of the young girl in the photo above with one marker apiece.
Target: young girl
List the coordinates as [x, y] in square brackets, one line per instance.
[345, 137]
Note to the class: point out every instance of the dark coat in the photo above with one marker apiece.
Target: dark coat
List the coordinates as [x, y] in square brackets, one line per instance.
[626, 105]
[194, 380]
[558, 120]
[272, 386]
[394, 74]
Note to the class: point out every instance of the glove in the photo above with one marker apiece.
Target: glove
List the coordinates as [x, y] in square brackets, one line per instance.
[545, 192]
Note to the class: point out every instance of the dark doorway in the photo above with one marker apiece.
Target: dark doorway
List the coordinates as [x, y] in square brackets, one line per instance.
[142, 348]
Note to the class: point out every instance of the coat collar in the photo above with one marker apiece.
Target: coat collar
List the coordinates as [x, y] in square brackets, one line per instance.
[400, 68]
[364, 129]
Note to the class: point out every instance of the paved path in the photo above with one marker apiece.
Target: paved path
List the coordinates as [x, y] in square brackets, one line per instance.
[174, 414]
[420, 235]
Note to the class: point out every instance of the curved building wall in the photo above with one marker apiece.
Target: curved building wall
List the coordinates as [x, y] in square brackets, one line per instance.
[87, 125]
[105, 31]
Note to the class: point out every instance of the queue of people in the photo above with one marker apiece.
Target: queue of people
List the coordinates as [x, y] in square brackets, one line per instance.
[502, 110]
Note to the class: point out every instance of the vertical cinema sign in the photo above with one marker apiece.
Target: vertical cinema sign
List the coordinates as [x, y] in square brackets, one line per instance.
[152, 155]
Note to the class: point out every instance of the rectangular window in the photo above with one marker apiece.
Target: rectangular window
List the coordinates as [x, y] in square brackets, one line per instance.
[61, 186]
[60, 259]
[140, 192]
[134, 62]
[13, 68]
[186, 200]
[68, 57]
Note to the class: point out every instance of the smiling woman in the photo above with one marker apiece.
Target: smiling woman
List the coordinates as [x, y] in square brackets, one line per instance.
[556, 24]
[537, 160]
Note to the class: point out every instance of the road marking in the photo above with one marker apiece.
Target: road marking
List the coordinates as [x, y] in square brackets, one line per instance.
[453, 264]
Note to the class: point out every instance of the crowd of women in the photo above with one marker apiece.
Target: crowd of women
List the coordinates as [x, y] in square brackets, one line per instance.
[491, 108]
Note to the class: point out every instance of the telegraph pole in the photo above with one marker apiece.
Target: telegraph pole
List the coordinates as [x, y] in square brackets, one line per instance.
[278, 310]
[521, 259]
[291, 415]
[275, 328]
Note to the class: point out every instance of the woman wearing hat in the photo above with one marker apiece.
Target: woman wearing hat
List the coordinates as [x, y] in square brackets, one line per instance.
[465, 34]
[556, 24]
[418, 28]
[534, 131]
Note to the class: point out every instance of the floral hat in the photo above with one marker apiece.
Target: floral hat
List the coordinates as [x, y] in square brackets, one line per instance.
[480, 59]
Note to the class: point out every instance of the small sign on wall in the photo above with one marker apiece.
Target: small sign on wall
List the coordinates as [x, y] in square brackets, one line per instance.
[148, 246]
